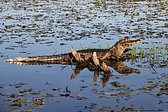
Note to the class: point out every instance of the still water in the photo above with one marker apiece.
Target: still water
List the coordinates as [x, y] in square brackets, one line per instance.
[47, 27]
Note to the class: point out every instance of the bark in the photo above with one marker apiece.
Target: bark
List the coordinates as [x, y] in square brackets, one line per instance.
[95, 59]
[76, 55]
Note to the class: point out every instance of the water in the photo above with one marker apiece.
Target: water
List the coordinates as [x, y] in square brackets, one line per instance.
[30, 28]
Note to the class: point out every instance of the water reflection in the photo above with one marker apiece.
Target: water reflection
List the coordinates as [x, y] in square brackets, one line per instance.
[62, 24]
[118, 66]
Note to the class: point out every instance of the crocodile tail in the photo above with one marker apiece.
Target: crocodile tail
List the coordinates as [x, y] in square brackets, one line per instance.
[40, 60]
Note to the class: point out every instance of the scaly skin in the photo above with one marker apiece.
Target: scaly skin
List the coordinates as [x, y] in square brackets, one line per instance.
[113, 53]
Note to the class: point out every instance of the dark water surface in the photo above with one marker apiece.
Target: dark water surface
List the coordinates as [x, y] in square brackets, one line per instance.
[46, 27]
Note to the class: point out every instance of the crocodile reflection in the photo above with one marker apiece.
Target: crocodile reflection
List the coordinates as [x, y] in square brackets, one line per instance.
[118, 66]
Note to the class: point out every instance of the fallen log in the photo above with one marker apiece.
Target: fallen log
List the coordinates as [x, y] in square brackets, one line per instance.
[95, 59]
[105, 68]
[103, 65]
[76, 55]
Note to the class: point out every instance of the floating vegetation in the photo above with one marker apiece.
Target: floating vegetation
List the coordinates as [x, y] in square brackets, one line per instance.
[42, 27]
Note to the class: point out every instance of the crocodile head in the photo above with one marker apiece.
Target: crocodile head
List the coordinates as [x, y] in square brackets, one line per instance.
[118, 48]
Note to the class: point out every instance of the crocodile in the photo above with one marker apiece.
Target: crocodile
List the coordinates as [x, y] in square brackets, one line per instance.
[113, 53]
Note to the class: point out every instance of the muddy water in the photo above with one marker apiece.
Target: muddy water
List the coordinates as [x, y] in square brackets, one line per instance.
[46, 27]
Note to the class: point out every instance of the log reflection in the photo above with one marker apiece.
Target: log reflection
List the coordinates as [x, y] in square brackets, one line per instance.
[118, 66]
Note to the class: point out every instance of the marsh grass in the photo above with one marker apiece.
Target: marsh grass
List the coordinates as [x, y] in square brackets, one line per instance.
[157, 51]
[133, 53]
[108, 45]
[155, 55]
[141, 53]
[100, 45]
